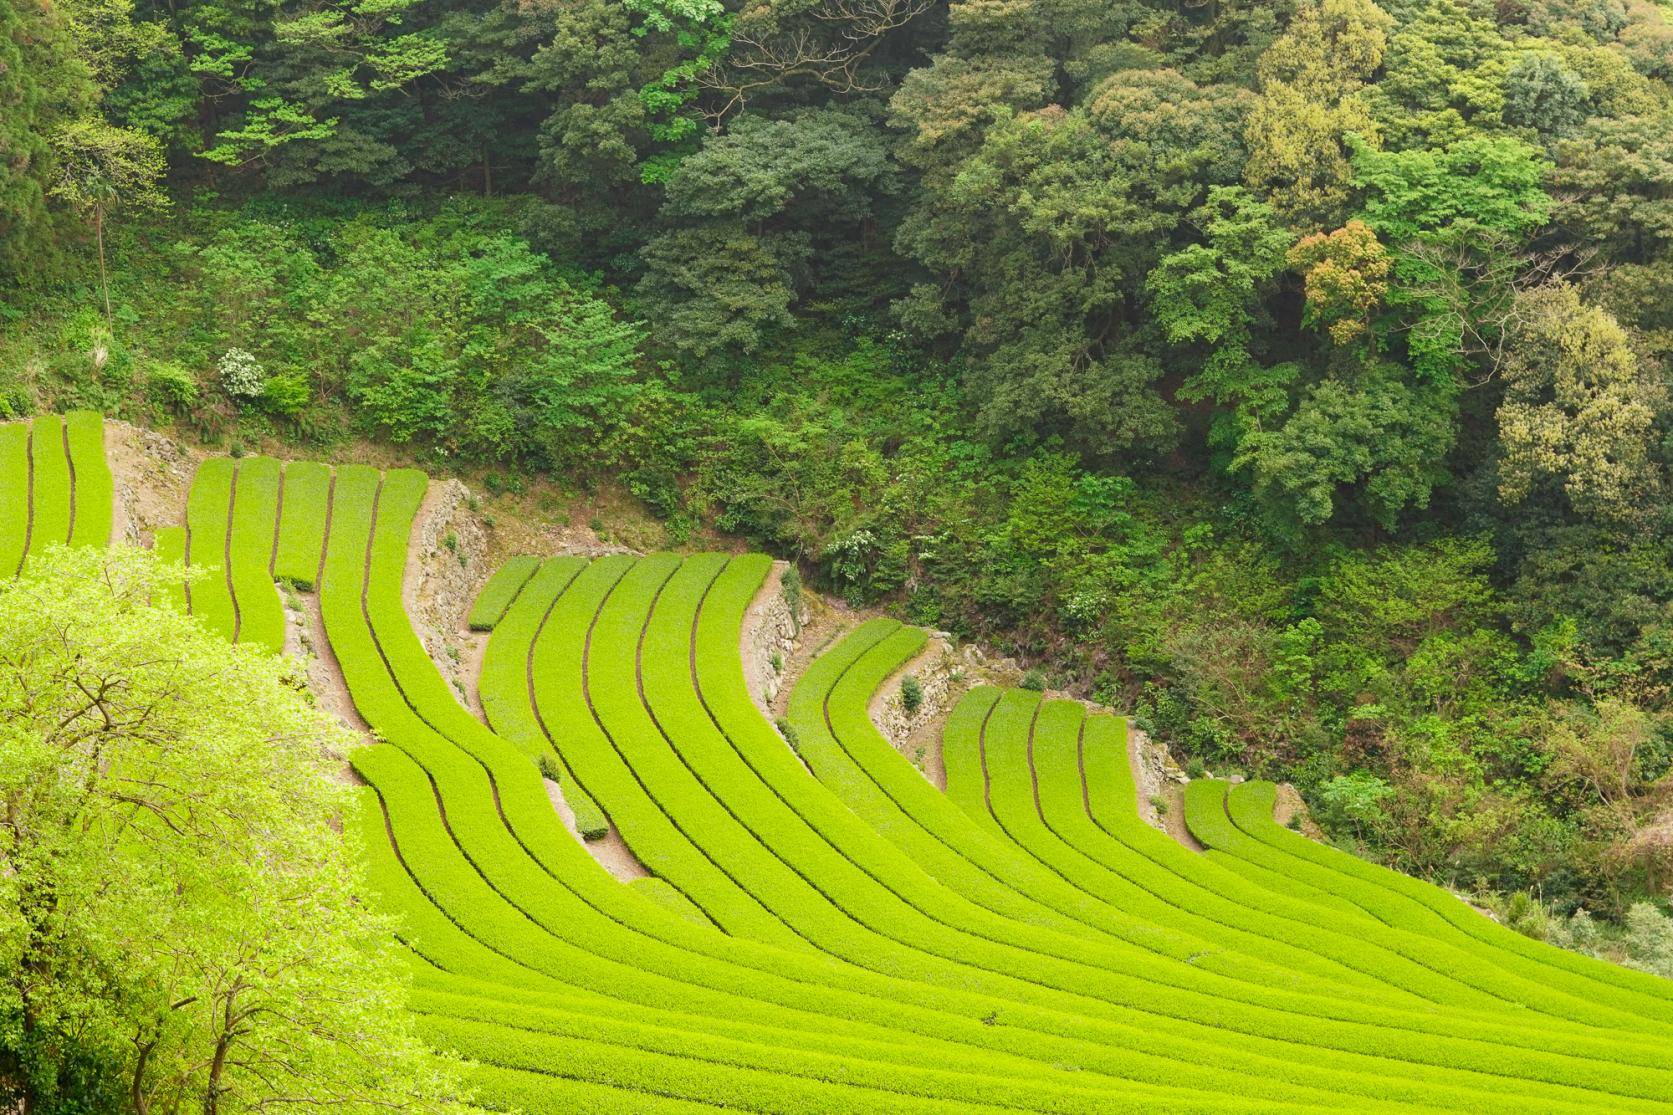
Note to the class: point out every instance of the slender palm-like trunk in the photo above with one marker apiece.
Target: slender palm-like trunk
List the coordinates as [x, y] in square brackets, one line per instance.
[104, 281]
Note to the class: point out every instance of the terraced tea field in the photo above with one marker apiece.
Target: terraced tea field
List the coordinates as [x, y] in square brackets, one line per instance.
[821, 929]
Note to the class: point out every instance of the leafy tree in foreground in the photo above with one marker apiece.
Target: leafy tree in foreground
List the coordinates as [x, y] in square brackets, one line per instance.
[179, 921]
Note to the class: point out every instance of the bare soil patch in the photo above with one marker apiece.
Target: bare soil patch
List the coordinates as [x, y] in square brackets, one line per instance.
[150, 475]
[611, 851]
[1158, 779]
[944, 674]
[325, 676]
[1290, 810]
[767, 640]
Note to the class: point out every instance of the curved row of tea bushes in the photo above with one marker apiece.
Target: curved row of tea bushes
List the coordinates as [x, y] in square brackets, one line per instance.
[450, 811]
[304, 512]
[334, 608]
[800, 998]
[574, 989]
[502, 588]
[609, 593]
[1047, 787]
[51, 510]
[93, 489]
[55, 486]
[14, 497]
[993, 778]
[1549, 989]
[505, 686]
[1584, 1075]
[208, 521]
[250, 542]
[1065, 797]
[1400, 899]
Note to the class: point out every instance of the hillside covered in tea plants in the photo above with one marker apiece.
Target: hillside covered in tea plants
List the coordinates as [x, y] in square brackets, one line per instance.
[1288, 378]
[599, 878]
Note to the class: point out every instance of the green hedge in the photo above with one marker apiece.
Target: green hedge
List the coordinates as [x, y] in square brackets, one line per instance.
[1583, 982]
[14, 496]
[489, 860]
[1073, 792]
[505, 685]
[208, 514]
[94, 488]
[305, 508]
[255, 514]
[520, 896]
[502, 588]
[50, 515]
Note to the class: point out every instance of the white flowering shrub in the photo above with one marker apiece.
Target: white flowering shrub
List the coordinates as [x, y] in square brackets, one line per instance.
[241, 375]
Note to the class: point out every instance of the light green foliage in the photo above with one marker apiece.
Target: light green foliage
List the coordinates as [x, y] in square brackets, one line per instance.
[51, 509]
[208, 519]
[532, 361]
[1209, 294]
[1450, 194]
[306, 500]
[1353, 801]
[250, 543]
[14, 496]
[85, 433]
[502, 588]
[148, 923]
[1578, 408]
[1312, 92]
[169, 544]
[1457, 220]
[1377, 436]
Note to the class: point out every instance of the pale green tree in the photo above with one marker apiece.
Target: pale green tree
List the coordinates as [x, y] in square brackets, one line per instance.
[1579, 407]
[1311, 84]
[180, 917]
[102, 168]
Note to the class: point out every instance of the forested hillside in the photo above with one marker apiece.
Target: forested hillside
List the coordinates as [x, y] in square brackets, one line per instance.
[1291, 372]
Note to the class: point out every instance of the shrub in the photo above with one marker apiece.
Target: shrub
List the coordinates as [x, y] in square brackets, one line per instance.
[791, 583]
[1034, 681]
[549, 769]
[241, 376]
[911, 694]
[286, 394]
[170, 385]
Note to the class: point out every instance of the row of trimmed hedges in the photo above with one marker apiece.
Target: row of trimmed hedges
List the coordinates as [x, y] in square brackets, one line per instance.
[14, 497]
[255, 515]
[505, 686]
[84, 434]
[50, 511]
[502, 588]
[208, 512]
[306, 507]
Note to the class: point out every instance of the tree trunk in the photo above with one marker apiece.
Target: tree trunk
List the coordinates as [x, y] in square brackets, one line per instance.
[217, 1065]
[136, 1089]
[104, 281]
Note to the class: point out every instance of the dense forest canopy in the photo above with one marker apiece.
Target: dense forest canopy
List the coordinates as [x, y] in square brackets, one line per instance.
[1293, 373]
